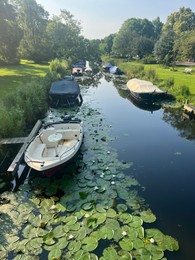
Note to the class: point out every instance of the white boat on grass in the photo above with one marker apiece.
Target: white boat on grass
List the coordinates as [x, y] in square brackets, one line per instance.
[55, 145]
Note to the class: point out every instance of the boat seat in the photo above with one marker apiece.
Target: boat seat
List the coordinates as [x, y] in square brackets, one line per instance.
[40, 150]
[44, 136]
[69, 134]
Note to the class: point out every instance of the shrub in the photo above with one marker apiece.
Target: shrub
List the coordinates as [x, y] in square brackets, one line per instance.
[59, 67]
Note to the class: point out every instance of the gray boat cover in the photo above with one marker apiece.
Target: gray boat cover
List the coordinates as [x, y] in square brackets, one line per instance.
[64, 87]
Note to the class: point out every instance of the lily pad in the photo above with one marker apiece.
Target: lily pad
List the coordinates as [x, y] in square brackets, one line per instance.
[126, 244]
[147, 216]
[89, 243]
[55, 254]
[109, 253]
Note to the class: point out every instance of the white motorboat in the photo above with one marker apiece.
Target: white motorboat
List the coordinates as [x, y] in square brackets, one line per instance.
[55, 145]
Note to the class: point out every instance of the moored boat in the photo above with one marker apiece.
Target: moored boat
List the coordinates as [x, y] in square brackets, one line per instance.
[145, 91]
[55, 145]
[64, 93]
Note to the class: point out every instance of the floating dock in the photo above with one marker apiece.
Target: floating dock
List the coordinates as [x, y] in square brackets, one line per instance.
[25, 140]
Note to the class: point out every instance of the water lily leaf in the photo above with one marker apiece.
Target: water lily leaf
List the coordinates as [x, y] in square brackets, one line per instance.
[58, 231]
[100, 208]
[147, 216]
[125, 218]
[109, 253]
[126, 244]
[74, 246]
[101, 189]
[74, 227]
[88, 177]
[71, 208]
[55, 254]
[89, 243]
[142, 254]
[60, 207]
[124, 255]
[92, 222]
[83, 195]
[140, 232]
[34, 243]
[112, 224]
[106, 232]
[129, 231]
[24, 208]
[138, 243]
[62, 243]
[121, 207]
[82, 233]
[87, 206]
[136, 222]
[81, 255]
[101, 217]
[70, 220]
[171, 243]
[48, 238]
[155, 251]
[111, 213]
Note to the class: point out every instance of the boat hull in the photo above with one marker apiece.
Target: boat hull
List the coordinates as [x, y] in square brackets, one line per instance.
[147, 98]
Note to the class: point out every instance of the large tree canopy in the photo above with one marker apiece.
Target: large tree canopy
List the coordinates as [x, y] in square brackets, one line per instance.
[32, 19]
[135, 37]
[9, 33]
[177, 38]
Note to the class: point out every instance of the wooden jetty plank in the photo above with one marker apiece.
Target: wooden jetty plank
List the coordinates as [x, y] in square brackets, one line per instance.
[14, 165]
[14, 140]
[189, 108]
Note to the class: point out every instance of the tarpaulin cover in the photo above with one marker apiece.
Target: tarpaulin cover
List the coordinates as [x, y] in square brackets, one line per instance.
[63, 87]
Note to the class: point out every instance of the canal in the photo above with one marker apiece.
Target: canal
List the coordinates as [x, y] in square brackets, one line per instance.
[157, 143]
[161, 145]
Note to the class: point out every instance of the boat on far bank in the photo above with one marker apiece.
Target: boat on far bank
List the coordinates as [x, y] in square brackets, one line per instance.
[145, 91]
[54, 146]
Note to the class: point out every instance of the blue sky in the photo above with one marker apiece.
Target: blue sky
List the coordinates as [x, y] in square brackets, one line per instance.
[99, 18]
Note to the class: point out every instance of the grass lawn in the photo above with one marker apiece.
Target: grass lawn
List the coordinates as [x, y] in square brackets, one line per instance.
[12, 76]
[179, 76]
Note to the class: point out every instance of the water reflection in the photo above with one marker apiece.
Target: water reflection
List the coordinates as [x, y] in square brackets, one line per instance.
[186, 128]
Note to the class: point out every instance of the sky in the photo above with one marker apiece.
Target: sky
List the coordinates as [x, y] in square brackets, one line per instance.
[100, 18]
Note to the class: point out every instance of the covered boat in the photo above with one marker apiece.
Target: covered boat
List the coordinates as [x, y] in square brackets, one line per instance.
[64, 93]
[115, 70]
[106, 66]
[55, 145]
[145, 91]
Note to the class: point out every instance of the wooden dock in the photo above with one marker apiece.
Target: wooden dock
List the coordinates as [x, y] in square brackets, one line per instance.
[189, 108]
[15, 140]
[17, 160]
[189, 111]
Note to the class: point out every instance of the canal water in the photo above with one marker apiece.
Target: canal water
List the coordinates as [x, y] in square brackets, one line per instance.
[161, 146]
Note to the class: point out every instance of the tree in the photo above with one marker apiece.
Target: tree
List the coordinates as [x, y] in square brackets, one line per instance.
[32, 19]
[185, 46]
[180, 27]
[106, 44]
[9, 33]
[133, 34]
[181, 21]
[64, 35]
[163, 49]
